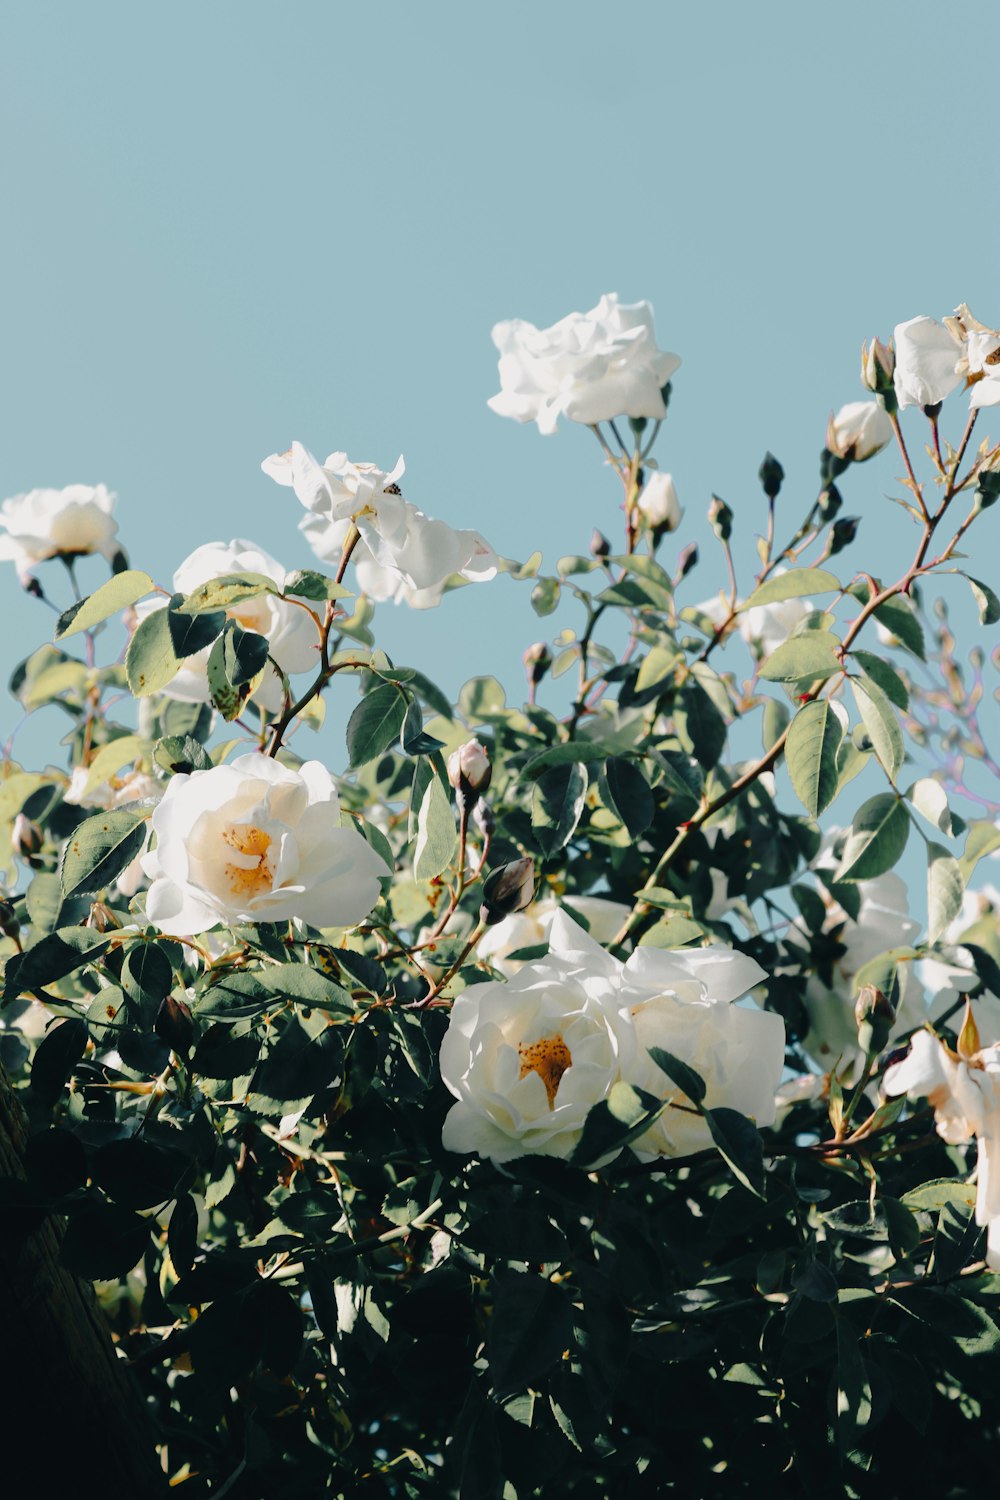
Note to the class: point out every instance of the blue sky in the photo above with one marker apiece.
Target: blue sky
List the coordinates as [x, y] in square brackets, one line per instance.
[234, 224]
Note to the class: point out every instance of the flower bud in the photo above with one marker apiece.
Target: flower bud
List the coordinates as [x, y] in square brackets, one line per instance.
[878, 365]
[482, 816]
[687, 559]
[658, 505]
[26, 837]
[537, 661]
[720, 519]
[469, 772]
[174, 1024]
[599, 544]
[637, 424]
[874, 1014]
[858, 431]
[770, 474]
[829, 502]
[102, 918]
[507, 889]
[843, 533]
[9, 925]
[31, 585]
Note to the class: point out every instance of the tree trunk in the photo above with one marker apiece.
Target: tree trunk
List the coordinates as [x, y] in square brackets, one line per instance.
[69, 1408]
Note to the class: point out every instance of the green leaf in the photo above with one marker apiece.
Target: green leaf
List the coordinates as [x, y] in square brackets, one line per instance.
[876, 840]
[930, 800]
[899, 618]
[699, 726]
[190, 634]
[986, 600]
[112, 757]
[557, 800]
[611, 1124]
[375, 724]
[625, 790]
[436, 833]
[58, 954]
[738, 1141]
[58, 1054]
[308, 584]
[811, 755]
[99, 849]
[886, 676]
[245, 653]
[530, 1328]
[945, 889]
[103, 1241]
[880, 721]
[685, 1077]
[657, 666]
[854, 1392]
[794, 584]
[577, 752]
[414, 738]
[225, 591]
[150, 661]
[775, 721]
[808, 657]
[229, 700]
[112, 597]
[147, 972]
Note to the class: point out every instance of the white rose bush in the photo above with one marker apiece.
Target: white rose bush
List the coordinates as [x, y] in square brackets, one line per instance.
[589, 1086]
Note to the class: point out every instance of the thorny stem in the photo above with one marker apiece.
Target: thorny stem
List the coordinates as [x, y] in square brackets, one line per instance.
[431, 997]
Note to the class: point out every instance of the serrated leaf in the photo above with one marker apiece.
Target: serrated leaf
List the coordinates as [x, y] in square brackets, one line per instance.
[811, 755]
[225, 591]
[795, 584]
[876, 839]
[807, 657]
[557, 800]
[110, 599]
[886, 676]
[375, 724]
[880, 721]
[150, 661]
[945, 889]
[930, 800]
[436, 833]
[308, 584]
[625, 790]
[99, 849]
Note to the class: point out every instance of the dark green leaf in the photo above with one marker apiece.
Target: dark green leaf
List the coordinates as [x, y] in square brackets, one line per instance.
[375, 724]
[625, 790]
[99, 849]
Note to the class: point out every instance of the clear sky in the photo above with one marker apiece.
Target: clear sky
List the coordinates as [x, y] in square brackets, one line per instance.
[228, 225]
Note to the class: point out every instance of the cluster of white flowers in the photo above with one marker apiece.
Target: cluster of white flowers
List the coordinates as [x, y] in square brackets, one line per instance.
[403, 554]
[527, 1058]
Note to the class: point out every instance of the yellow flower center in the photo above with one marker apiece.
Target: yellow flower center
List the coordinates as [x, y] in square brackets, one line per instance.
[249, 880]
[549, 1058]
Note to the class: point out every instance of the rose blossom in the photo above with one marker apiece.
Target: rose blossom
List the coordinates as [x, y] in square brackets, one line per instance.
[530, 928]
[964, 1088]
[403, 554]
[54, 523]
[926, 357]
[588, 367]
[254, 841]
[528, 1058]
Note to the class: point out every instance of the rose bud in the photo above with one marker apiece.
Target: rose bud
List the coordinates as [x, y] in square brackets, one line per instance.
[770, 475]
[9, 925]
[858, 431]
[658, 505]
[874, 1014]
[507, 889]
[878, 365]
[469, 772]
[599, 544]
[174, 1024]
[537, 661]
[26, 837]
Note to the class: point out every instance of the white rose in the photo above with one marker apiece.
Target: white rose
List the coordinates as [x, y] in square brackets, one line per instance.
[290, 632]
[965, 1093]
[946, 981]
[858, 431]
[682, 1001]
[50, 523]
[403, 555]
[527, 1058]
[530, 928]
[983, 351]
[254, 841]
[926, 357]
[766, 625]
[588, 367]
[658, 503]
